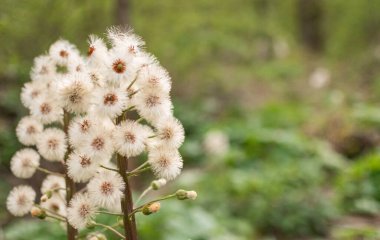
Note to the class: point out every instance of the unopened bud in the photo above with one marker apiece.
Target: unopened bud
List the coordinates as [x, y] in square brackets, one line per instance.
[192, 195]
[90, 225]
[38, 212]
[151, 208]
[44, 198]
[96, 236]
[120, 221]
[156, 184]
[183, 194]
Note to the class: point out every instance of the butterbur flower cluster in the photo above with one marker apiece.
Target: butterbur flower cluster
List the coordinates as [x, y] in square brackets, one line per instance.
[94, 115]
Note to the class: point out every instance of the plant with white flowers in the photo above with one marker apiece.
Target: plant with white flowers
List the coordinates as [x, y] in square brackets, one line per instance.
[93, 115]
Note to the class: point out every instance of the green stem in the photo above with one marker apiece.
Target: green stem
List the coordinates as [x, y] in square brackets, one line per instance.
[131, 84]
[57, 218]
[110, 213]
[143, 194]
[44, 170]
[138, 209]
[111, 229]
[51, 212]
[135, 173]
[111, 169]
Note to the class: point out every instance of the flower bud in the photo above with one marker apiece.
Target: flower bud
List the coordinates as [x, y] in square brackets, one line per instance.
[151, 208]
[90, 225]
[120, 221]
[96, 236]
[46, 196]
[156, 184]
[183, 194]
[192, 195]
[38, 212]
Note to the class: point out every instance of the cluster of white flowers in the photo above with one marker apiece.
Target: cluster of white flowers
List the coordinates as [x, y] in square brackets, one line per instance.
[117, 101]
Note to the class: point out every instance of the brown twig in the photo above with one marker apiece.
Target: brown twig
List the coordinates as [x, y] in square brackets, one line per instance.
[127, 202]
[70, 185]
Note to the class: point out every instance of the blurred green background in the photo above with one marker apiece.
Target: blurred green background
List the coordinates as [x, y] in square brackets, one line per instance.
[279, 99]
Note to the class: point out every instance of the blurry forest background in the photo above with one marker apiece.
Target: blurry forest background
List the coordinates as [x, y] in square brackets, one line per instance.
[279, 99]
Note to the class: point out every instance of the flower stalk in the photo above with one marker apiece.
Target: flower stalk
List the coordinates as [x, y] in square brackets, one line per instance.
[70, 185]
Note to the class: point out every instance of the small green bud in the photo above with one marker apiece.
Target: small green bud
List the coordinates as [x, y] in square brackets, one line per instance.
[181, 194]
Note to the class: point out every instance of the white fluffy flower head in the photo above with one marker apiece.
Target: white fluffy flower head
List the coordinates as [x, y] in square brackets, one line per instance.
[28, 129]
[106, 189]
[81, 211]
[25, 162]
[51, 144]
[81, 166]
[166, 162]
[130, 138]
[20, 200]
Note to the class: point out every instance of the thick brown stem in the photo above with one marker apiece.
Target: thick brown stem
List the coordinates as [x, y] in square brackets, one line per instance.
[127, 202]
[70, 185]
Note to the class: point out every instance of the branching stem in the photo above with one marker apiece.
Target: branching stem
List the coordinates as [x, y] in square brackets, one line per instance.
[111, 229]
[44, 170]
[138, 209]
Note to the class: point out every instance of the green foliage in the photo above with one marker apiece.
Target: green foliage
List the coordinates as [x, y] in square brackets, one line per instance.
[358, 186]
[275, 180]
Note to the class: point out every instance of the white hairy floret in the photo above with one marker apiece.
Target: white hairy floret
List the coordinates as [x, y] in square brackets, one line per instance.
[165, 162]
[81, 211]
[154, 77]
[170, 132]
[130, 138]
[28, 129]
[55, 204]
[20, 200]
[51, 144]
[97, 54]
[62, 51]
[31, 92]
[106, 189]
[125, 39]
[81, 166]
[80, 129]
[153, 105]
[76, 93]
[42, 69]
[99, 144]
[110, 101]
[46, 109]
[25, 162]
[53, 183]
